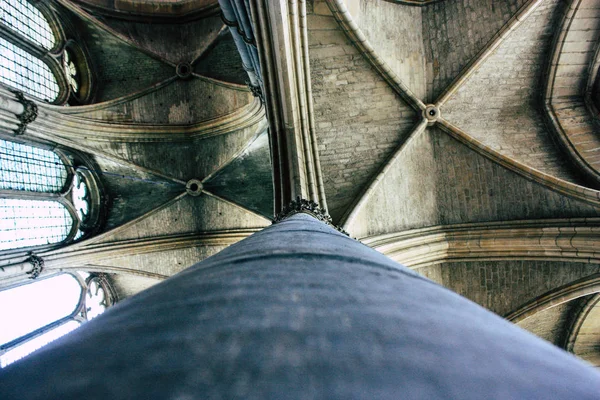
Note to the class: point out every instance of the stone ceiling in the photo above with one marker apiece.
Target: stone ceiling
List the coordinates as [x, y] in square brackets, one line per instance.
[457, 136]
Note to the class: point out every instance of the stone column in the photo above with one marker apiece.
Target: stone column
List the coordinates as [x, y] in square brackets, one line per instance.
[299, 311]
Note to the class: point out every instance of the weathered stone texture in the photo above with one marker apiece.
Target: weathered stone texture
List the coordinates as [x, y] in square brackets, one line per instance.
[192, 214]
[120, 69]
[587, 344]
[177, 42]
[132, 192]
[437, 180]
[433, 272]
[569, 80]
[553, 323]
[222, 62]
[360, 119]
[126, 285]
[185, 159]
[579, 126]
[181, 102]
[500, 104]
[503, 286]
[577, 49]
[396, 34]
[248, 179]
[165, 262]
[455, 31]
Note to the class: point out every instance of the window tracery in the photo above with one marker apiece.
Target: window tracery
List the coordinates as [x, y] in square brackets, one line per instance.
[39, 57]
[24, 18]
[68, 300]
[46, 198]
[49, 196]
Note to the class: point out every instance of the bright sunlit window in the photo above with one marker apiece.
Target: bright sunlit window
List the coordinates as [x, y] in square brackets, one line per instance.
[24, 18]
[37, 313]
[24, 167]
[20, 68]
[30, 307]
[38, 220]
[25, 72]
[25, 223]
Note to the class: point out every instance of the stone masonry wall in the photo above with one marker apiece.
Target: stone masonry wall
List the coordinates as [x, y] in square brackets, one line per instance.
[360, 119]
[121, 69]
[438, 181]
[500, 104]
[502, 286]
[454, 31]
[395, 32]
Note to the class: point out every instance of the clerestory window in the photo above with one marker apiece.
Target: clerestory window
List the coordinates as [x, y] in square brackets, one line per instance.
[40, 58]
[46, 197]
[48, 308]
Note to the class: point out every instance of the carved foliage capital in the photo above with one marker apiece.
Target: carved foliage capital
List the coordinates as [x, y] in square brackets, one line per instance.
[28, 115]
[37, 264]
[301, 205]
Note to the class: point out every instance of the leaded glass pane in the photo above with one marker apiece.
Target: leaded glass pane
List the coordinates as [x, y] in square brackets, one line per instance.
[25, 72]
[26, 223]
[27, 20]
[24, 167]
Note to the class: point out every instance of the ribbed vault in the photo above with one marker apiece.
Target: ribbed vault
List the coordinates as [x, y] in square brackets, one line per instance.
[457, 137]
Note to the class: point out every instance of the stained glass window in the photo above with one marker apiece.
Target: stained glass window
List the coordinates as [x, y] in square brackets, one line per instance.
[27, 20]
[25, 223]
[27, 73]
[24, 167]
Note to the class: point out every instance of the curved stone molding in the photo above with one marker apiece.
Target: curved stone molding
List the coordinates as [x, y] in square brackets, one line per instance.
[79, 127]
[109, 103]
[76, 256]
[145, 11]
[568, 80]
[582, 193]
[366, 194]
[582, 315]
[512, 24]
[563, 294]
[342, 15]
[70, 5]
[592, 90]
[416, 3]
[574, 240]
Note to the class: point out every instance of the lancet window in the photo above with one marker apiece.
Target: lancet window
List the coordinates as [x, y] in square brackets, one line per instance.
[40, 56]
[46, 197]
[48, 308]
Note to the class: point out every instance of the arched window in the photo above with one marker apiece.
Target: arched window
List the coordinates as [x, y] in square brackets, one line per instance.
[46, 197]
[48, 308]
[40, 58]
